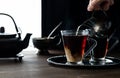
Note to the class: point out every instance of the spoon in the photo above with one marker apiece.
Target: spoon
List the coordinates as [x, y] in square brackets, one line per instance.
[54, 30]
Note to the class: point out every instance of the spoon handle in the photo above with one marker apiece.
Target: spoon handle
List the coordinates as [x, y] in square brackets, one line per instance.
[54, 30]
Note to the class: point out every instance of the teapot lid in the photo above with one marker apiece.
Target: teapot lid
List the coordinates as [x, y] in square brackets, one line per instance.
[6, 35]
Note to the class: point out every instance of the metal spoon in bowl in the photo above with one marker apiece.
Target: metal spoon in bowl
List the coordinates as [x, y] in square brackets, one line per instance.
[54, 30]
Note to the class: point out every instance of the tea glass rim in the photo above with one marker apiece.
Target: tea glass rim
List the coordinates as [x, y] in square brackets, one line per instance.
[81, 32]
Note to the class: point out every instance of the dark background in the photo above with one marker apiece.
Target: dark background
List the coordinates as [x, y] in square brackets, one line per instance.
[72, 13]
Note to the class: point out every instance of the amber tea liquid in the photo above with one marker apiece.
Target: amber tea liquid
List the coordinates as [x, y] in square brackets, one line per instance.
[74, 47]
[101, 49]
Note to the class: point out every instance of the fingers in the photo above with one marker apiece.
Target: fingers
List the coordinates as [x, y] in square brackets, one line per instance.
[106, 4]
[105, 7]
[93, 5]
[99, 4]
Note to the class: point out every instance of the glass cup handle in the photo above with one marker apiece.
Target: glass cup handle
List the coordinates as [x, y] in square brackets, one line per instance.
[94, 44]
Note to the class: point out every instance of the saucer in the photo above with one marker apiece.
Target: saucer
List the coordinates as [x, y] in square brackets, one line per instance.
[61, 61]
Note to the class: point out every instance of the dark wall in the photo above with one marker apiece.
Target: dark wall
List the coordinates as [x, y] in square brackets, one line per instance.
[114, 14]
[71, 12]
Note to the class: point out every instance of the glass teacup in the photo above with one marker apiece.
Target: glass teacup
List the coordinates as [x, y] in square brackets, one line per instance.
[100, 51]
[74, 45]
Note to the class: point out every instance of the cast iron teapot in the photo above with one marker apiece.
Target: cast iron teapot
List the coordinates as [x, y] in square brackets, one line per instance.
[12, 44]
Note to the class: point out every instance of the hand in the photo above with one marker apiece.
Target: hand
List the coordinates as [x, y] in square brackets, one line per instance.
[99, 4]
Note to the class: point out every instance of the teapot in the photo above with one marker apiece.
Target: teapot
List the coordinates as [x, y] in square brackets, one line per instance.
[12, 44]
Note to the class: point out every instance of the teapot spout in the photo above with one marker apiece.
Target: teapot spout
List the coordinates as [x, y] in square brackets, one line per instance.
[26, 40]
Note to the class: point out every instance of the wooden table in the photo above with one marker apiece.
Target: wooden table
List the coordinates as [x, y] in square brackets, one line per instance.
[36, 66]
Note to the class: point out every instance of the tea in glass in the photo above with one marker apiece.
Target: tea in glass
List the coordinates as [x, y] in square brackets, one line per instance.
[74, 45]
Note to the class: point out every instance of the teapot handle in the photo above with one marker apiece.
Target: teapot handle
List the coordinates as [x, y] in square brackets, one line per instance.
[19, 35]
